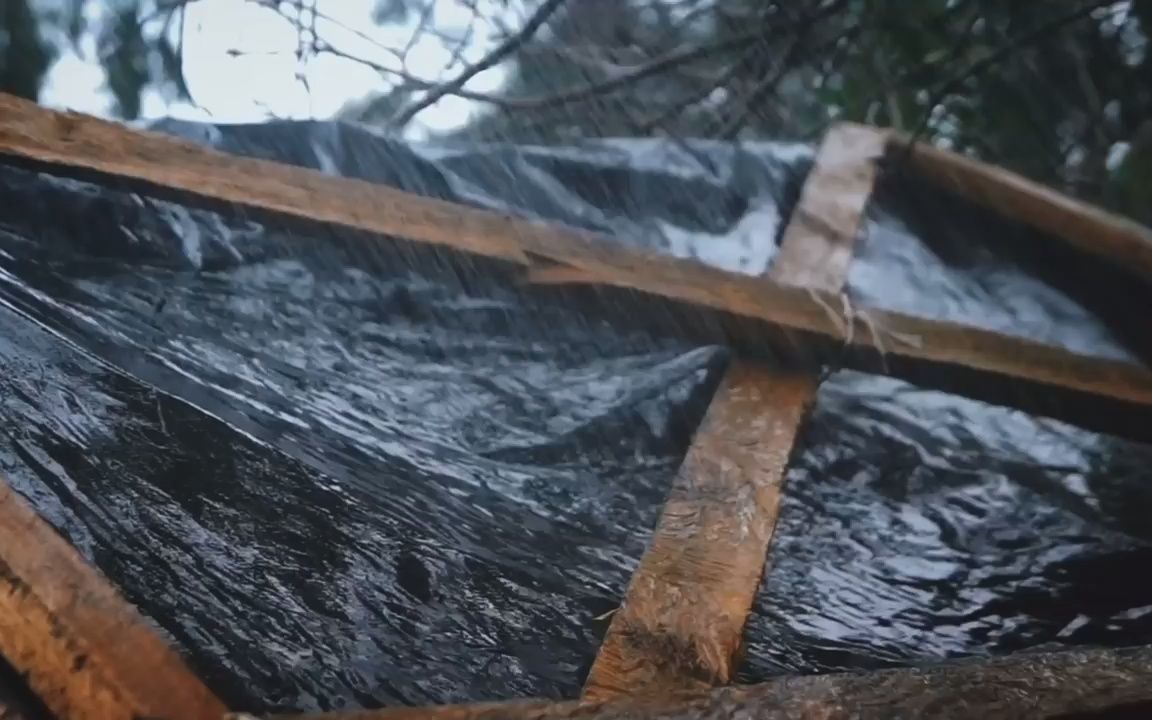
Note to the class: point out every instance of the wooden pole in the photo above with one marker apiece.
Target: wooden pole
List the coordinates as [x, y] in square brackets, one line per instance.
[1125, 242]
[681, 624]
[1050, 686]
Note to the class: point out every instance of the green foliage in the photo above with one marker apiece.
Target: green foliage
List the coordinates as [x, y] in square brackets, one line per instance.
[24, 54]
[33, 35]
[1049, 89]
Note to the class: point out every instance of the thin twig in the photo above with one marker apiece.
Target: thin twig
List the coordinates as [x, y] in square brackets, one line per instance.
[498, 54]
[571, 95]
[321, 15]
[413, 81]
[460, 43]
[641, 72]
[706, 88]
[760, 92]
[421, 27]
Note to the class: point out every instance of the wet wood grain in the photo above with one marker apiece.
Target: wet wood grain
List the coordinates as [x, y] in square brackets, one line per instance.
[85, 652]
[1072, 685]
[1122, 240]
[757, 317]
[818, 244]
[682, 621]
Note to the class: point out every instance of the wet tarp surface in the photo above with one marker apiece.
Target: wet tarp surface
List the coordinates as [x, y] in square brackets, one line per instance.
[336, 475]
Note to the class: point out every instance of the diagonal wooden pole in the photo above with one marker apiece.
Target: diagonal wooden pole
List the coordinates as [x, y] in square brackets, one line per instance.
[681, 624]
[1092, 230]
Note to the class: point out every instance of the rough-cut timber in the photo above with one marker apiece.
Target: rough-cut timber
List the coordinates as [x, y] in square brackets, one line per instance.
[681, 624]
[817, 245]
[85, 652]
[1091, 229]
[1052, 686]
[682, 621]
[748, 313]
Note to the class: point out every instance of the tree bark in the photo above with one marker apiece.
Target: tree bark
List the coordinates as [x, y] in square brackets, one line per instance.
[1066, 685]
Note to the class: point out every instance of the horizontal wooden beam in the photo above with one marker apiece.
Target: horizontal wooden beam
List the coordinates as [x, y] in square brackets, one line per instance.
[1053, 686]
[748, 313]
[1089, 228]
[84, 651]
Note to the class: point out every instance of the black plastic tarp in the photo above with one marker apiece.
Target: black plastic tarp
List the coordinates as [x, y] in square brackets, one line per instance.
[336, 476]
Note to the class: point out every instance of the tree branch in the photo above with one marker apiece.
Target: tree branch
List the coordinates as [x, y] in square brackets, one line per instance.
[498, 54]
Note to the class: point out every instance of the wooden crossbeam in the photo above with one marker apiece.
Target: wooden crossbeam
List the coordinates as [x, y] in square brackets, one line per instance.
[85, 652]
[756, 317]
[1053, 686]
[682, 621]
[817, 246]
[1124, 241]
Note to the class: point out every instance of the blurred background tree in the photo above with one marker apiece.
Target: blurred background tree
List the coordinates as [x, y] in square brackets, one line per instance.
[1061, 91]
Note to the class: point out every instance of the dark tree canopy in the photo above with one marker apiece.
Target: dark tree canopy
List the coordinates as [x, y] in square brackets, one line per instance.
[131, 39]
[1059, 91]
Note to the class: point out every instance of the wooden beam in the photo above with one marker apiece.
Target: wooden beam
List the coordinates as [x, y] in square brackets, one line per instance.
[1056, 686]
[85, 652]
[762, 319]
[681, 624]
[816, 248]
[1126, 242]
[758, 318]
[682, 621]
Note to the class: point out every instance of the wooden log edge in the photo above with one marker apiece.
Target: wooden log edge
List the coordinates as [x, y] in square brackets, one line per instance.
[1060, 685]
[84, 651]
[1125, 242]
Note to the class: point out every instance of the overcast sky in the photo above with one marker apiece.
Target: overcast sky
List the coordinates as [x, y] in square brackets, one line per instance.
[240, 64]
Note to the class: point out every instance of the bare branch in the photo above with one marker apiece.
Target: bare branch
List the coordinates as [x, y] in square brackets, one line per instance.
[564, 97]
[768, 84]
[414, 81]
[640, 72]
[321, 15]
[498, 54]
[759, 93]
[675, 109]
[459, 44]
